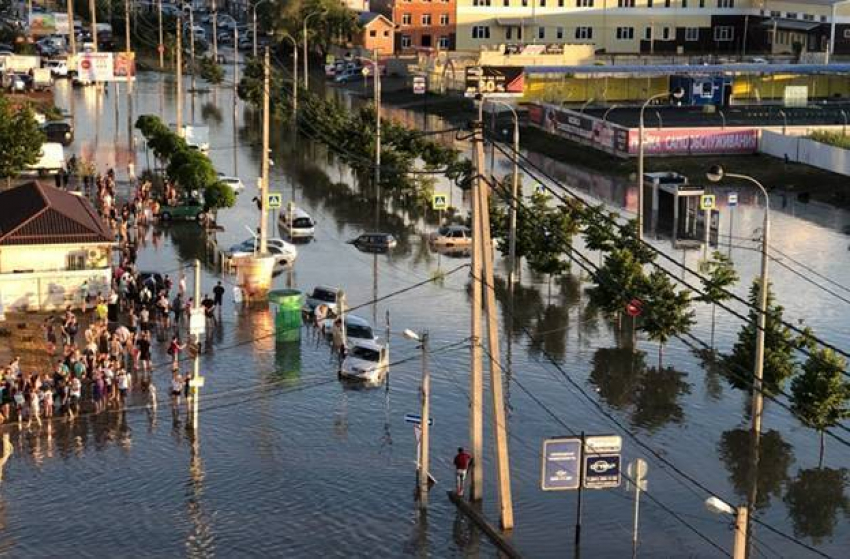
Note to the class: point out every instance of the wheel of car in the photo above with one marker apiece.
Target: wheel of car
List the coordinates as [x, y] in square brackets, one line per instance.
[165, 216]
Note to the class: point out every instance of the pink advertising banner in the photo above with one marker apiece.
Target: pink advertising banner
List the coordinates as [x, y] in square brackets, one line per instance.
[696, 141]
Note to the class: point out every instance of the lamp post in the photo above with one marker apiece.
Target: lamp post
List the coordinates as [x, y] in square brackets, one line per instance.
[304, 38]
[425, 440]
[255, 26]
[514, 186]
[294, 73]
[718, 506]
[716, 174]
[676, 94]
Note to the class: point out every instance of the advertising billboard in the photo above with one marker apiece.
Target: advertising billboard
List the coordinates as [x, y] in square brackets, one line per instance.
[695, 141]
[106, 66]
[48, 23]
[577, 126]
[495, 81]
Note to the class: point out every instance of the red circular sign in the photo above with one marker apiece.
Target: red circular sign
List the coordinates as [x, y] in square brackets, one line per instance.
[160, 48]
[634, 307]
[86, 64]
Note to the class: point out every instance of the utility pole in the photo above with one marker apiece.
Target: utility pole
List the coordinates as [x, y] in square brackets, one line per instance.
[739, 551]
[476, 383]
[180, 77]
[377, 94]
[235, 98]
[264, 189]
[93, 15]
[72, 38]
[424, 467]
[161, 46]
[306, 57]
[127, 47]
[192, 55]
[294, 75]
[500, 433]
[196, 362]
[215, 32]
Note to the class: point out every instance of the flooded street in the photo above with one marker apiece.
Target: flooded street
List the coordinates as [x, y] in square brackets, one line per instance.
[290, 462]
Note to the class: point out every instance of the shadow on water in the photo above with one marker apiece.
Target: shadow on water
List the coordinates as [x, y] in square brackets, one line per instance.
[814, 499]
[775, 457]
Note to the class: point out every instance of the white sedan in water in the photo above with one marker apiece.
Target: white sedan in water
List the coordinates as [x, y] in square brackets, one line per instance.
[233, 182]
[368, 362]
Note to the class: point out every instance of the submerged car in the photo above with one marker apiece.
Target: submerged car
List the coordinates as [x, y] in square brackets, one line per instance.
[233, 182]
[297, 223]
[374, 242]
[284, 253]
[451, 236]
[356, 329]
[323, 295]
[367, 361]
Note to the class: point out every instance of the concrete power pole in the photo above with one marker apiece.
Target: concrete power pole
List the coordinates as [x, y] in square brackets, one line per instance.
[377, 94]
[215, 32]
[476, 382]
[93, 14]
[72, 38]
[192, 57]
[179, 77]
[425, 444]
[161, 46]
[235, 98]
[196, 363]
[264, 187]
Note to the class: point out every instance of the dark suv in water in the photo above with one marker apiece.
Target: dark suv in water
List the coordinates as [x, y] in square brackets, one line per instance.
[57, 131]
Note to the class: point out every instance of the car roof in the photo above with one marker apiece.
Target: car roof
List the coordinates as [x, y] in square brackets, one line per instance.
[368, 344]
[328, 288]
[356, 320]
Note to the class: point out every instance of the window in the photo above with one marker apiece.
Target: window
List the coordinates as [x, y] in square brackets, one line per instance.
[443, 42]
[541, 32]
[405, 41]
[647, 33]
[666, 34]
[724, 33]
[775, 13]
[583, 3]
[584, 32]
[480, 2]
[524, 3]
[373, 33]
[684, 3]
[406, 19]
[625, 33]
[725, 3]
[625, 3]
[76, 261]
[560, 3]
[702, 3]
[648, 3]
[506, 3]
[444, 19]
[823, 19]
[666, 3]
[481, 32]
[559, 33]
[791, 15]
[692, 34]
[542, 3]
[426, 19]
[847, 33]
[808, 17]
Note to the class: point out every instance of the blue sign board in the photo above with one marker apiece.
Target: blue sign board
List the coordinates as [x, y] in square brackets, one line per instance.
[561, 464]
[732, 199]
[416, 418]
[601, 471]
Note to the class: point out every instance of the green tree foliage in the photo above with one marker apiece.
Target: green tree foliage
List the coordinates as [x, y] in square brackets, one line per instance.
[666, 312]
[779, 345]
[814, 498]
[619, 277]
[550, 230]
[334, 26]
[819, 395]
[219, 195]
[720, 275]
[211, 70]
[20, 139]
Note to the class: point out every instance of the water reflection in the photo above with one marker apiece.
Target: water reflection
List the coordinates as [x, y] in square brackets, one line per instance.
[814, 499]
[775, 457]
[651, 395]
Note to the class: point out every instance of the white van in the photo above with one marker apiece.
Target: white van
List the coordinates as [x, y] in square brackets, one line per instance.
[52, 159]
[197, 137]
[302, 225]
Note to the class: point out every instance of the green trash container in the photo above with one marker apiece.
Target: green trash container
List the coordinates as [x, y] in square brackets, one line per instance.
[286, 304]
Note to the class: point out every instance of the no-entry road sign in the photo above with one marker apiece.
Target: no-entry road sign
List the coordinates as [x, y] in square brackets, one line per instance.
[561, 464]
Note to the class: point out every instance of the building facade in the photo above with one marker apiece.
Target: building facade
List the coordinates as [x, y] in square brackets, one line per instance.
[657, 26]
[51, 243]
[421, 25]
[377, 33]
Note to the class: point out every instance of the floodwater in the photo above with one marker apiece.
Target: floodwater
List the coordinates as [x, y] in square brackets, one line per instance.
[290, 462]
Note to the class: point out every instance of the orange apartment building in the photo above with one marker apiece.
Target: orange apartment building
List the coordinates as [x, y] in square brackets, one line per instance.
[420, 25]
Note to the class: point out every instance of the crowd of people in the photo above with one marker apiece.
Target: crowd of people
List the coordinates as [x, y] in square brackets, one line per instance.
[103, 350]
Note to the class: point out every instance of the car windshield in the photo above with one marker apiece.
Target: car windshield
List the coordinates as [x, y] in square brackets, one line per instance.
[302, 222]
[324, 295]
[443, 231]
[359, 331]
[365, 353]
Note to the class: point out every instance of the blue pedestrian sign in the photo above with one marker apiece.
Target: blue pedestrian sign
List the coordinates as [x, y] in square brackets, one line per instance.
[417, 419]
[561, 464]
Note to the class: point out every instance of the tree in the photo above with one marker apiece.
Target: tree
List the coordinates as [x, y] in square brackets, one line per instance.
[666, 312]
[820, 394]
[775, 457]
[619, 276]
[20, 139]
[719, 276]
[813, 499]
[219, 195]
[211, 70]
[779, 345]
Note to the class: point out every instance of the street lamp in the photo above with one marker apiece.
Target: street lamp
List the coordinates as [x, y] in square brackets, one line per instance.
[514, 186]
[294, 73]
[677, 93]
[424, 445]
[255, 26]
[306, 59]
[718, 506]
[716, 174]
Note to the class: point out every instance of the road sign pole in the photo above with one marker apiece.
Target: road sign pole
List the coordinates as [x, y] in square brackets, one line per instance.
[580, 492]
[637, 517]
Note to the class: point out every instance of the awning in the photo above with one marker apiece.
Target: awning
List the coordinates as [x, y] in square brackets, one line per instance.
[510, 21]
[791, 24]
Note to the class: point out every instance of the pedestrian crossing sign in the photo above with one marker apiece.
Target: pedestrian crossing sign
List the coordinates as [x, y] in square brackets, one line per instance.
[439, 202]
[706, 202]
[274, 200]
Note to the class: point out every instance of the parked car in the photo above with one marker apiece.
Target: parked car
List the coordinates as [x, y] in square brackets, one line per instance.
[367, 361]
[226, 21]
[15, 83]
[451, 236]
[356, 329]
[302, 225]
[225, 38]
[233, 182]
[246, 43]
[189, 208]
[374, 242]
[58, 131]
[58, 68]
[322, 295]
[347, 75]
[285, 253]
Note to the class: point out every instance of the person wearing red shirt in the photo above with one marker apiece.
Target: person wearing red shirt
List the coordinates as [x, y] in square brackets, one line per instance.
[461, 461]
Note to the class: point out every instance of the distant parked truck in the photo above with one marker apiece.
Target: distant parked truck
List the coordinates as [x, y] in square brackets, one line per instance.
[52, 159]
[197, 137]
[42, 78]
